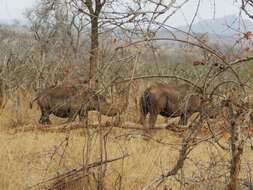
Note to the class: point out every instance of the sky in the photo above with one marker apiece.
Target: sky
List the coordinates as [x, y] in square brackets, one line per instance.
[207, 10]
[14, 9]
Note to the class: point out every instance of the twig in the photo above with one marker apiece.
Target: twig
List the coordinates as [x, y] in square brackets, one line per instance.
[76, 171]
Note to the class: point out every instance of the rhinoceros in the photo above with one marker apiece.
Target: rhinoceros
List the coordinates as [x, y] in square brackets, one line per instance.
[68, 102]
[170, 100]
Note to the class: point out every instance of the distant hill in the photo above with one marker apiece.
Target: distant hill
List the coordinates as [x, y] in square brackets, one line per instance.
[13, 22]
[226, 26]
[222, 31]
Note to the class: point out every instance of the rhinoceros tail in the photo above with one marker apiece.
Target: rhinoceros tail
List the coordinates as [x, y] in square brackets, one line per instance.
[145, 102]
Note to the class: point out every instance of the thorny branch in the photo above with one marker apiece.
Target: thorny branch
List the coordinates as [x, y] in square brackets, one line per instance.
[77, 172]
[186, 148]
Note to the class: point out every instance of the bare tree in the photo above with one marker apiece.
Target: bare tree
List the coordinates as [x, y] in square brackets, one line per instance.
[130, 29]
[246, 6]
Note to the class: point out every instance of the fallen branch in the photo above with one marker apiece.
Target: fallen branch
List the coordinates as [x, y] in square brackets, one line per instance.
[75, 126]
[72, 175]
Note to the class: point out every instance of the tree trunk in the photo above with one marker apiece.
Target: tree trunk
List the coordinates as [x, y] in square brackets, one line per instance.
[93, 51]
[236, 148]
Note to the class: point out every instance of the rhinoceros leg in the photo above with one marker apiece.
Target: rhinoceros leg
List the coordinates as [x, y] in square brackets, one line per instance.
[142, 118]
[83, 116]
[183, 119]
[72, 115]
[152, 119]
[44, 118]
[117, 121]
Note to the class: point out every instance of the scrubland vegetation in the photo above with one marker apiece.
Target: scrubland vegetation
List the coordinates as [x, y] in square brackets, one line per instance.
[209, 153]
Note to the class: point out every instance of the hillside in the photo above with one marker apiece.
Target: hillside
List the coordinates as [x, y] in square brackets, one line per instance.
[222, 31]
[226, 26]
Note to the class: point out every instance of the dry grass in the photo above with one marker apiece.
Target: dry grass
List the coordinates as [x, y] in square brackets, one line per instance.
[25, 157]
[30, 157]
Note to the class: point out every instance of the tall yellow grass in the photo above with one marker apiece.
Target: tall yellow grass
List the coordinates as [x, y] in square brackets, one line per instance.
[30, 157]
